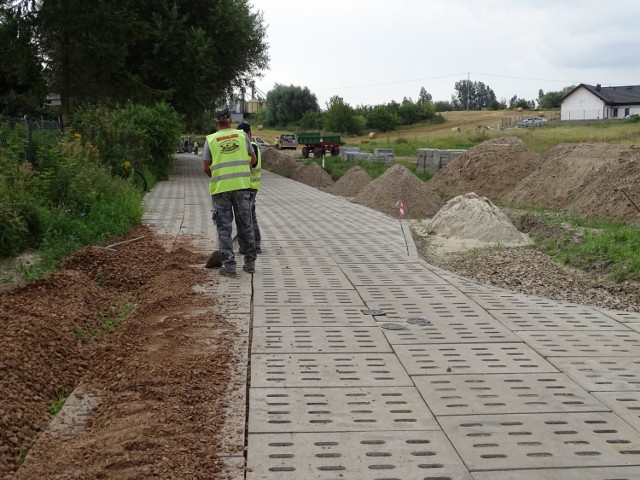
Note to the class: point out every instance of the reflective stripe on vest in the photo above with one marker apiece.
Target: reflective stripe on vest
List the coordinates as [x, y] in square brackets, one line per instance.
[230, 161]
[255, 172]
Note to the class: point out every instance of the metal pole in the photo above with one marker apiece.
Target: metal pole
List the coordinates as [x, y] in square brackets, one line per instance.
[468, 87]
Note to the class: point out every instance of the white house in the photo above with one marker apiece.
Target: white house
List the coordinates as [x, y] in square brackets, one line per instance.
[592, 102]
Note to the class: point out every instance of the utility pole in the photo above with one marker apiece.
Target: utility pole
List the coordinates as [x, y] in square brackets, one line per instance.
[468, 87]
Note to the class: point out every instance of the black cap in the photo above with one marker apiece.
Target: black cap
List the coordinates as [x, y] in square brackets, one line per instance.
[222, 114]
[245, 127]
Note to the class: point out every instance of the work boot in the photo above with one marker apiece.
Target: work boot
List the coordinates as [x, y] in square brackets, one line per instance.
[258, 249]
[225, 273]
[249, 269]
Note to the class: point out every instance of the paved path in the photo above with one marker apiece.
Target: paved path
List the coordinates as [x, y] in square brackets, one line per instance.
[368, 363]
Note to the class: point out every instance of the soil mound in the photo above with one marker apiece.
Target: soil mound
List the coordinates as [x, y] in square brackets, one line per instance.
[399, 184]
[583, 178]
[472, 217]
[280, 163]
[492, 169]
[313, 175]
[351, 183]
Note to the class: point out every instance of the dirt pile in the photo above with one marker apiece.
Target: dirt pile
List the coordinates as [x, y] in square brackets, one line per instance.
[583, 179]
[313, 175]
[158, 377]
[470, 217]
[280, 163]
[492, 169]
[398, 184]
[351, 183]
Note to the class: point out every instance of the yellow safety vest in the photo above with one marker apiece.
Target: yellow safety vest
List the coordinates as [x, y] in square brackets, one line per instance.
[255, 172]
[230, 165]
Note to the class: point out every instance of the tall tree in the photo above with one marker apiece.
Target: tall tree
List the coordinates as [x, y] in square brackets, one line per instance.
[472, 95]
[340, 117]
[288, 104]
[424, 97]
[187, 52]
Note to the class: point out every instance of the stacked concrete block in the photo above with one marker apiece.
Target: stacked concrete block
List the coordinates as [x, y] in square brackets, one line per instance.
[367, 157]
[431, 159]
[388, 152]
[345, 151]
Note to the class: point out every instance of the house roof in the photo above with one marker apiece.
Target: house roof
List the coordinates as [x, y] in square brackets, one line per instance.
[624, 95]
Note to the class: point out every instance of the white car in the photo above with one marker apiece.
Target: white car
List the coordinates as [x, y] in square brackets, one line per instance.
[261, 143]
[531, 122]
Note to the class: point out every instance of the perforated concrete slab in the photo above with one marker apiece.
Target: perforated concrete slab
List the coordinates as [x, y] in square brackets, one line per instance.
[327, 370]
[464, 330]
[436, 294]
[318, 340]
[607, 374]
[504, 394]
[436, 312]
[450, 359]
[584, 343]
[219, 285]
[271, 297]
[571, 319]
[280, 262]
[507, 301]
[595, 473]
[554, 440]
[306, 316]
[369, 257]
[390, 274]
[302, 277]
[278, 410]
[354, 456]
[624, 404]
[291, 251]
[621, 315]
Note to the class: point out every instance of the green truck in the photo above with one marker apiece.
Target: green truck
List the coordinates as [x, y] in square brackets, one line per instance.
[319, 144]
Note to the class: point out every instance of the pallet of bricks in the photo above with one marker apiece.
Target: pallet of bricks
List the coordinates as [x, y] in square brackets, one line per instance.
[379, 155]
[431, 159]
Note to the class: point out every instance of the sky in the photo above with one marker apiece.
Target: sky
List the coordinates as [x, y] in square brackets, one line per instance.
[372, 52]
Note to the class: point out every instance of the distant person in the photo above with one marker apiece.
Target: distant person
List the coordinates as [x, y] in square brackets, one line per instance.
[255, 183]
[195, 147]
[227, 159]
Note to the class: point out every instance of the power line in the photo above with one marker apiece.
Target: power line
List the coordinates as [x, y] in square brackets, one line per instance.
[391, 83]
[573, 82]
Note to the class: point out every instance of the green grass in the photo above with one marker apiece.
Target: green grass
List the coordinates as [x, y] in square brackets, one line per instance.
[111, 319]
[407, 146]
[58, 402]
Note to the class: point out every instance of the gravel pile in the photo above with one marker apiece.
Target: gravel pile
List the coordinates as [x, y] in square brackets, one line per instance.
[280, 163]
[398, 184]
[313, 175]
[351, 183]
[492, 169]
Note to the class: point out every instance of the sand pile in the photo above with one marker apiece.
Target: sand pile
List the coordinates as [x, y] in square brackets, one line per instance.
[399, 184]
[313, 175]
[472, 217]
[582, 178]
[492, 169]
[280, 163]
[351, 183]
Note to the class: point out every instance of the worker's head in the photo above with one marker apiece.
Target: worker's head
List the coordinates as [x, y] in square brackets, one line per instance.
[246, 128]
[222, 117]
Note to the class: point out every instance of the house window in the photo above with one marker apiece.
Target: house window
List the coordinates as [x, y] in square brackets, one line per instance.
[626, 112]
[615, 113]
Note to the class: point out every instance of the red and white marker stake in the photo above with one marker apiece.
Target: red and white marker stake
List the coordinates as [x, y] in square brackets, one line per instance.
[400, 206]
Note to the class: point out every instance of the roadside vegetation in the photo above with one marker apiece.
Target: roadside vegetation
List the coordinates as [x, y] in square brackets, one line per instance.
[62, 192]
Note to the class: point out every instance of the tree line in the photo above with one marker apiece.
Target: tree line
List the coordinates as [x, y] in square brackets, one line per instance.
[188, 53]
[290, 105]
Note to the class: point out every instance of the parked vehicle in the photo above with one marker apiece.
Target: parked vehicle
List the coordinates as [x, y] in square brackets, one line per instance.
[261, 143]
[318, 144]
[287, 141]
[531, 122]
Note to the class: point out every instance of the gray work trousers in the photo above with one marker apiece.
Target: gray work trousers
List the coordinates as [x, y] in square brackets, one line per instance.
[256, 227]
[226, 205]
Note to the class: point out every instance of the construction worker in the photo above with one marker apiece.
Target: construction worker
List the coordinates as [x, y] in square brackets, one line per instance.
[255, 184]
[228, 158]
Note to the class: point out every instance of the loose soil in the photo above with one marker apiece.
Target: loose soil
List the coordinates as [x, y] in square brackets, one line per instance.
[492, 169]
[527, 270]
[351, 183]
[398, 184]
[162, 386]
[313, 175]
[585, 179]
[279, 162]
